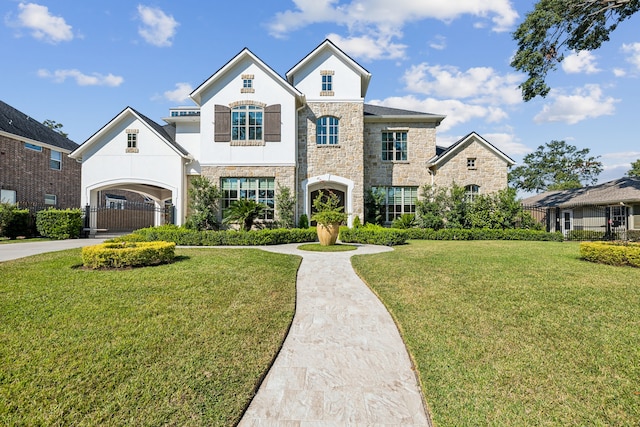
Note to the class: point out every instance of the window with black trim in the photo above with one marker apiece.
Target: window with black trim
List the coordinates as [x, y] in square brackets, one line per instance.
[397, 201]
[261, 190]
[327, 130]
[394, 146]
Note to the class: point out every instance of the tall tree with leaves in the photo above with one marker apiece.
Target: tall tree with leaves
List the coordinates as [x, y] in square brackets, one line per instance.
[53, 125]
[635, 169]
[555, 166]
[557, 26]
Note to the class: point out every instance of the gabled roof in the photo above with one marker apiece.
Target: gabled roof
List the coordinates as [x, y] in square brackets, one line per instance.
[450, 151]
[372, 112]
[15, 122]
[245, 53]
[622, 190]
[365, 76]
[155, 127]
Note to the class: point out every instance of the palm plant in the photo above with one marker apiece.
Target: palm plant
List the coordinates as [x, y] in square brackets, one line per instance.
[244, 212]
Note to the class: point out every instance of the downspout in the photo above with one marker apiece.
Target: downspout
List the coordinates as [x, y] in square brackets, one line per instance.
[297, 169]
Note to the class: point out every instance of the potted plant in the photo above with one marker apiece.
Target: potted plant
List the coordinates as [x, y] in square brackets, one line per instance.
[328, 216]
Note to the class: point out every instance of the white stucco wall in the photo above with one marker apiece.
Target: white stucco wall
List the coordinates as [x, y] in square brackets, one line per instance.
[226, 90]
[346, 81]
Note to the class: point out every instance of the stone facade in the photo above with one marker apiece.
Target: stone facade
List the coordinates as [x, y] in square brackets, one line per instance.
[345, 159]
[28, 173]
[421, 146]
[489, 171]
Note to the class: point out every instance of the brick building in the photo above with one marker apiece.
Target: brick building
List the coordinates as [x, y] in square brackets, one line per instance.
[35, 169]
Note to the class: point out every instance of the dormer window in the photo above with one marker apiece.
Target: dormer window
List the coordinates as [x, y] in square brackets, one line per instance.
[247, 83]
[471, 163]
[132, 140]
[327, 82]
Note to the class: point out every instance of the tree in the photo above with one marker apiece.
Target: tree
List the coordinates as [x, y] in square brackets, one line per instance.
[635, 169]
[285, 206]
[244, 212]
[204, 198]
[557, 26]
[555, 166]
[52, 124]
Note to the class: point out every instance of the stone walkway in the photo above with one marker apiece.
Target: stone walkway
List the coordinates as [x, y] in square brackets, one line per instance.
[343, 361]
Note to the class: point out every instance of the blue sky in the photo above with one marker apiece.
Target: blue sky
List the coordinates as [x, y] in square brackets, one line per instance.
[81, 62]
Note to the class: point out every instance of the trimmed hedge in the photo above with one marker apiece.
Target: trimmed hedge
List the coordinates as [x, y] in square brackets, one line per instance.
[20, 224]
[482, 234]
[59, 224]
[127, 254]
[611, 253]
[186, 237]
[374, 235]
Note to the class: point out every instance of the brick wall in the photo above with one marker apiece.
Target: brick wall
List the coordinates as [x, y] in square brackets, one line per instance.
[28, 173]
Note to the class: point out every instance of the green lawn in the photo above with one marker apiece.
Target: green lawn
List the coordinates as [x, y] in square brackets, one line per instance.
[179, 344]
[515, 333]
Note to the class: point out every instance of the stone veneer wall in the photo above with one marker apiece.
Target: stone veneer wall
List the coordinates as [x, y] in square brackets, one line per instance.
[284, 175]
[344, 159]
[490, 172]
[421, 146]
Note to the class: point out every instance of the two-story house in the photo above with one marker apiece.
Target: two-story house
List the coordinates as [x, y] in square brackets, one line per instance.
[35, 170]
[253, 130]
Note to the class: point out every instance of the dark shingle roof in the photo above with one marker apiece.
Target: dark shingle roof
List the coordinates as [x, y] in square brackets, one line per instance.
[17, 123]
[625, 190]
[378, 110]
[162, 132]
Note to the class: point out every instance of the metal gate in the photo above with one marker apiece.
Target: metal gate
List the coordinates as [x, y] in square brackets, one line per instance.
[127, 217]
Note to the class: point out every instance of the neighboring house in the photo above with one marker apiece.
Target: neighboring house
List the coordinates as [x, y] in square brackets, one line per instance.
[35, 169]
[603, 208]
[253, 130]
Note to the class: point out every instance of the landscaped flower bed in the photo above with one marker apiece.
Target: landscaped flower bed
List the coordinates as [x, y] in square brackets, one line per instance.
[611, 253]
[127, 254]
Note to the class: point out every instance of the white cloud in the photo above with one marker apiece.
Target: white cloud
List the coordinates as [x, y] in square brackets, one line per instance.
[619, 72]
[438, 43]
[94, 79]
[457, 112]
[482, 85]
[580, 62]
[180, 93]
[587, 102]
[157, 27]
[368, 48]
[383, 20]
[44, 26]
[633, 49]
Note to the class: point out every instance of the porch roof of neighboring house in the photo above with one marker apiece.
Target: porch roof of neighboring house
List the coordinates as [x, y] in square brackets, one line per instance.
[387, 113]
[625, 190]
[18, 124]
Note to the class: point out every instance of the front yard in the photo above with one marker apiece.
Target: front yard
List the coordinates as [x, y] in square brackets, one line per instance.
[515, 333]
[178, 344]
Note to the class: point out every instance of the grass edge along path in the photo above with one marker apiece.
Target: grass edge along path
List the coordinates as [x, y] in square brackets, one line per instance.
[514, 333]
[185, 343]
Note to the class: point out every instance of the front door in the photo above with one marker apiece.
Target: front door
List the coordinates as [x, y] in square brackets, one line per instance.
[567, 221]
[325, 191]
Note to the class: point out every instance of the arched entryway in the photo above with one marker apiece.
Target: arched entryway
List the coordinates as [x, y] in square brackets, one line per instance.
[341, 186]
[124, 207]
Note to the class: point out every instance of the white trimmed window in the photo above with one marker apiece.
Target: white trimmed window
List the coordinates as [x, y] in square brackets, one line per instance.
[56, 160]
[471, 192]
[261, 190]
[246, 123]
[50, 199]
[32, 147]
[327, 83]
[619, 216]
[327, 130]
[471, 163]
[394, 146]
[397, 201]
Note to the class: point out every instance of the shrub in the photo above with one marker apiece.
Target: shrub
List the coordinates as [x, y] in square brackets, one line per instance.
[404, 221]
[19, 225]
[59, 224]
[611, 253]
[304, 221]
[127, 254]
[186, 237]
[481, 234]
[374, 235]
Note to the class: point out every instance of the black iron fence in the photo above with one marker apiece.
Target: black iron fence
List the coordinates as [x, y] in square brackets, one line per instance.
[586, 222]
[127, 217]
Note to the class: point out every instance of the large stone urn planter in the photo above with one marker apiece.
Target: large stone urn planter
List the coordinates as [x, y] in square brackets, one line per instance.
[328, 234]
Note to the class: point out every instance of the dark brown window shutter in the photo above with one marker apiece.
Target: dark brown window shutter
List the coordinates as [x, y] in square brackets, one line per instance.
[222, 121]
[272, 123]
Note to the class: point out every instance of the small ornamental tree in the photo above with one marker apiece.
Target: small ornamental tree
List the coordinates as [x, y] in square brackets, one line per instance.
[204, 201]
[285, 206]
